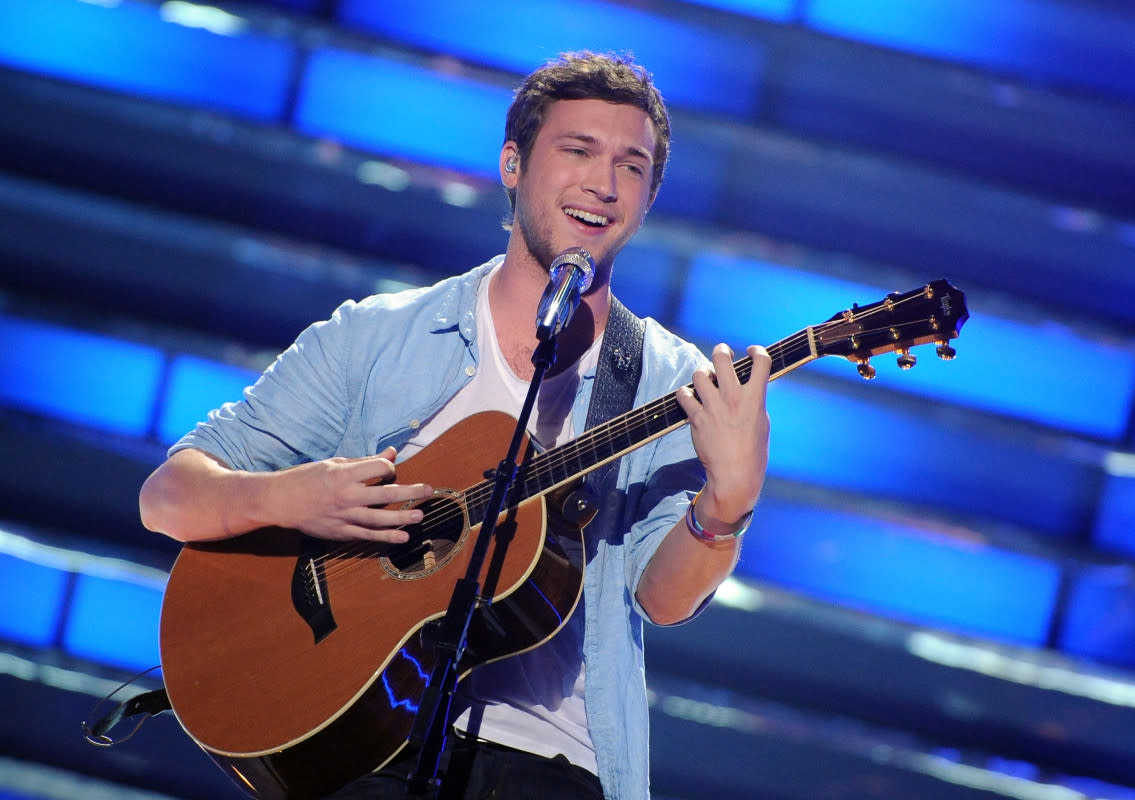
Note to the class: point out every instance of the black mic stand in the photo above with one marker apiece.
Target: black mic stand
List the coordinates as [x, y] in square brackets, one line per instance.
[447, 636]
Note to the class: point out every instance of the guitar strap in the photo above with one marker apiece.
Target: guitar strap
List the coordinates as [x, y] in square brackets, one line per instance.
[149, 703]
[616, 376]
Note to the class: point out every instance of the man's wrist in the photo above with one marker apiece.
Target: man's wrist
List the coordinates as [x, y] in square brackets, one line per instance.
[712, 530]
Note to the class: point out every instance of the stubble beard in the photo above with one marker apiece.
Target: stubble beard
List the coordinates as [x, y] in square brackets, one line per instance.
[543, 252]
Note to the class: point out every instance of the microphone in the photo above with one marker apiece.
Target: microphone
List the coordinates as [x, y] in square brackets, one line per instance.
[572, 272]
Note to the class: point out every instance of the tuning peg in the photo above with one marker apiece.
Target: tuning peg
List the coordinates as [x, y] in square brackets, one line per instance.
[905, 359]
[865, 370]
[945, 352]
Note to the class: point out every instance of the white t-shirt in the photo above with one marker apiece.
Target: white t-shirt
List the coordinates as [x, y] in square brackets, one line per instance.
[532, 701]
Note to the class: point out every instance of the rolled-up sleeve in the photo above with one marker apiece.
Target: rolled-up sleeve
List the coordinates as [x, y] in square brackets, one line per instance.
[296, 411]
[663, 478]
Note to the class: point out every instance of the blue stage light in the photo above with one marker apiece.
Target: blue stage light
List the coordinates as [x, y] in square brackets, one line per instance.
[195, 387]
[402, 110]
[114, 620]
[32, 600]
[1098, 622]
[1037, 40]
[136, 48]
[1115, 515]
[777, 10]
[697, 67]
[896, 570]
[644, 278]
[80, 377]
[699, 167]
[1002, 366]
[845, 441]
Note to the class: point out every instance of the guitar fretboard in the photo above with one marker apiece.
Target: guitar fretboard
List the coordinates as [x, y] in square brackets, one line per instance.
[626, 432]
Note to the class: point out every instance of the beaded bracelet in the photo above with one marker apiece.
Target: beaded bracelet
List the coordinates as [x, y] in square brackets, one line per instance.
[701, 533]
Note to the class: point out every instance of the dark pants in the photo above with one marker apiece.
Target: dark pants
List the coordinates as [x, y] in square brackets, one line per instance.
[479, 771]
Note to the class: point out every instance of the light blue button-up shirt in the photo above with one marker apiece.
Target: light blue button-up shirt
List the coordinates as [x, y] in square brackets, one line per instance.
[366, 378]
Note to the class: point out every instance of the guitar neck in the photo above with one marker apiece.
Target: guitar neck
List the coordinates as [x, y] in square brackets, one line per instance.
[633, 429]
[933, 313]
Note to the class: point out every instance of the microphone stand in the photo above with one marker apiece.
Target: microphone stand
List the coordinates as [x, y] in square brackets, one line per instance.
[447, 636]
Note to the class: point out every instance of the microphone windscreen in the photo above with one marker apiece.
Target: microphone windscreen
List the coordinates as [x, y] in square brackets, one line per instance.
[578, 257]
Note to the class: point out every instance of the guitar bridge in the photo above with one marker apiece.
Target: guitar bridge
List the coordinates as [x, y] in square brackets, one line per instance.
[309, 589]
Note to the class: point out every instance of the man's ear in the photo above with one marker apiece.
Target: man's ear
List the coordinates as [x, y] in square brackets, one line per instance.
[509, 165]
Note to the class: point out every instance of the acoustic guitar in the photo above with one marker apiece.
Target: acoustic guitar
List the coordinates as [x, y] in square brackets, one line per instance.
[298, 664]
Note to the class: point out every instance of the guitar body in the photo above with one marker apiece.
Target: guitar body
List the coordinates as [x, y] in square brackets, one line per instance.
[298, 664]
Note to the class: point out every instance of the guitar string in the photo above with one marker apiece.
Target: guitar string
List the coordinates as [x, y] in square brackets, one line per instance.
[552, 462]
[545, 465]
[537, 471]
[542, 465]
[616, 429]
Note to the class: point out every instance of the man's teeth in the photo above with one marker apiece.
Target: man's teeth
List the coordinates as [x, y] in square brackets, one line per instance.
[586, 216]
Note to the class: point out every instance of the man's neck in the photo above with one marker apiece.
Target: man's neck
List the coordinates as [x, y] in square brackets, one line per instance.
[514, 297]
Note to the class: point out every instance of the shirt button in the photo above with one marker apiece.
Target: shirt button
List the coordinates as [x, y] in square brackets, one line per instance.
[470, 370]
[414, 423]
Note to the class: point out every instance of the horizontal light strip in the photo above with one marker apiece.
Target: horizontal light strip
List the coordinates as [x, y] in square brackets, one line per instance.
[112, 612]
[403, 110]
[733, 593]
[32, 601]
[694, 66]
[1066, 41]
[29, 781]
[1020, 669]
[899, 571]
[107, 383]
[1115, 515]
[26, 669]
[777, 10]
[1097, 622]
[717, 708]
[1002, 366]
[821, 437]
[93, 380]
[195, 387]
[114, 620]
[130, 47]
[827, 438]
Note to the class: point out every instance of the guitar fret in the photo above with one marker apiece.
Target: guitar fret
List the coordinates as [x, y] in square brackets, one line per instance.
[630, 429]
[625, 432]
[785, 356]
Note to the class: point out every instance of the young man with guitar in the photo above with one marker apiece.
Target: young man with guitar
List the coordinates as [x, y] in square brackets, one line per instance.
[325, 444]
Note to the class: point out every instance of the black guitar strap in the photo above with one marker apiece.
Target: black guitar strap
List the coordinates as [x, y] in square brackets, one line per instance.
[617, 374]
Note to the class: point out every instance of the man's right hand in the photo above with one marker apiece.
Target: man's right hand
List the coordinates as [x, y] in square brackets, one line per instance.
[195, 497]
[336, 498]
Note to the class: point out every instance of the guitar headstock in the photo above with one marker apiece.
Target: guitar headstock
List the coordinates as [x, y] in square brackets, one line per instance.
[933, 314]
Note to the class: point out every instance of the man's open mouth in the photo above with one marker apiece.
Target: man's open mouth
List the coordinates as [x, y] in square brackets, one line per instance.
[586, 217]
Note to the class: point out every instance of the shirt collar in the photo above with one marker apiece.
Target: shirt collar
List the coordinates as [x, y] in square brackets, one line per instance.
[457, 308]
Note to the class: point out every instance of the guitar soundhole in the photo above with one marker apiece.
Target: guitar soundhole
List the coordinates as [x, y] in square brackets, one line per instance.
[433, 541]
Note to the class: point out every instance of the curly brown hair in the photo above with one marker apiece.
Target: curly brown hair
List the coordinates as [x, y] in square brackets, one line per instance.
[585, 75]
